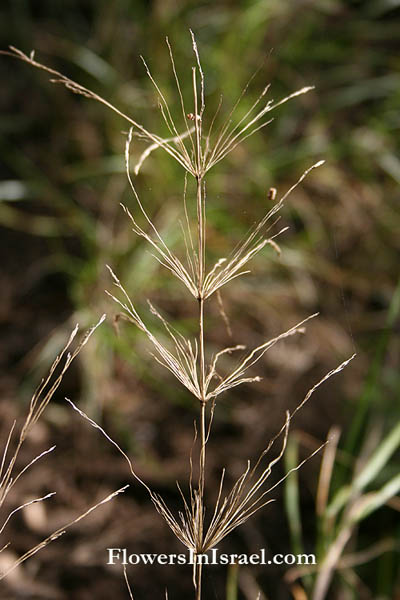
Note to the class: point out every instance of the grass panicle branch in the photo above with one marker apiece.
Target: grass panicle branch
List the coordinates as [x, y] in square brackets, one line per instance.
[39, 401]
[59, 532]
[201, 156]
[8, 475]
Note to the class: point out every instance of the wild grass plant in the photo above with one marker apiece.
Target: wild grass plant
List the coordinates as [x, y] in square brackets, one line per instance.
[356, 479]
[11, 470]
[198, 144]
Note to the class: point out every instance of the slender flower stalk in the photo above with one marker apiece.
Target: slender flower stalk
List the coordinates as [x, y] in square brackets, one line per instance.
[10, 475]
[186, 359]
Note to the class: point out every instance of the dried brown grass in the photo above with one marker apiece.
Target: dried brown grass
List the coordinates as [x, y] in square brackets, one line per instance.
[10, 473]
[198, 150]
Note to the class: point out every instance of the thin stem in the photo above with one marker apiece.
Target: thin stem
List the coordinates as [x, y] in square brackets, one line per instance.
[202, 386]
[201, 236]
[198, 573]
[200, 201]
[202, 373]
[202, 470]
[203, 442]
[197, 124]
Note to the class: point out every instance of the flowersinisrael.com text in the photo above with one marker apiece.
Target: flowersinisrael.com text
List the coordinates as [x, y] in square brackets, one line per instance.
[214, 557]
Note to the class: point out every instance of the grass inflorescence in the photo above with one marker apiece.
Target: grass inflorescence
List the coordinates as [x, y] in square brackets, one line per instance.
[198, 144]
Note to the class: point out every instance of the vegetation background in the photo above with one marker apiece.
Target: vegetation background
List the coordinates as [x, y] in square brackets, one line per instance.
[62, 178]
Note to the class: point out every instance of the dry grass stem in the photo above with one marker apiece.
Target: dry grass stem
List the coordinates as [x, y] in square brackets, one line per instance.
[197, 159]
[127, 582]
[245, 498]
[197, 153]
[38, 403]
[23, 506]
[182, 364]
[326, 471]
[59, 532]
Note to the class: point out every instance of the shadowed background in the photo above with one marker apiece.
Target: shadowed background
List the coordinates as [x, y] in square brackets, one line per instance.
[62, 179]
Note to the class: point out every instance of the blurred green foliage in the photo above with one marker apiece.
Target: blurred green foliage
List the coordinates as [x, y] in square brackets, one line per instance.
[62, 179]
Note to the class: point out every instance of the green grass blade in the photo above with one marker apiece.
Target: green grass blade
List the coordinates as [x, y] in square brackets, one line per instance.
[373, 379]
[232, 582]
[371, 502]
